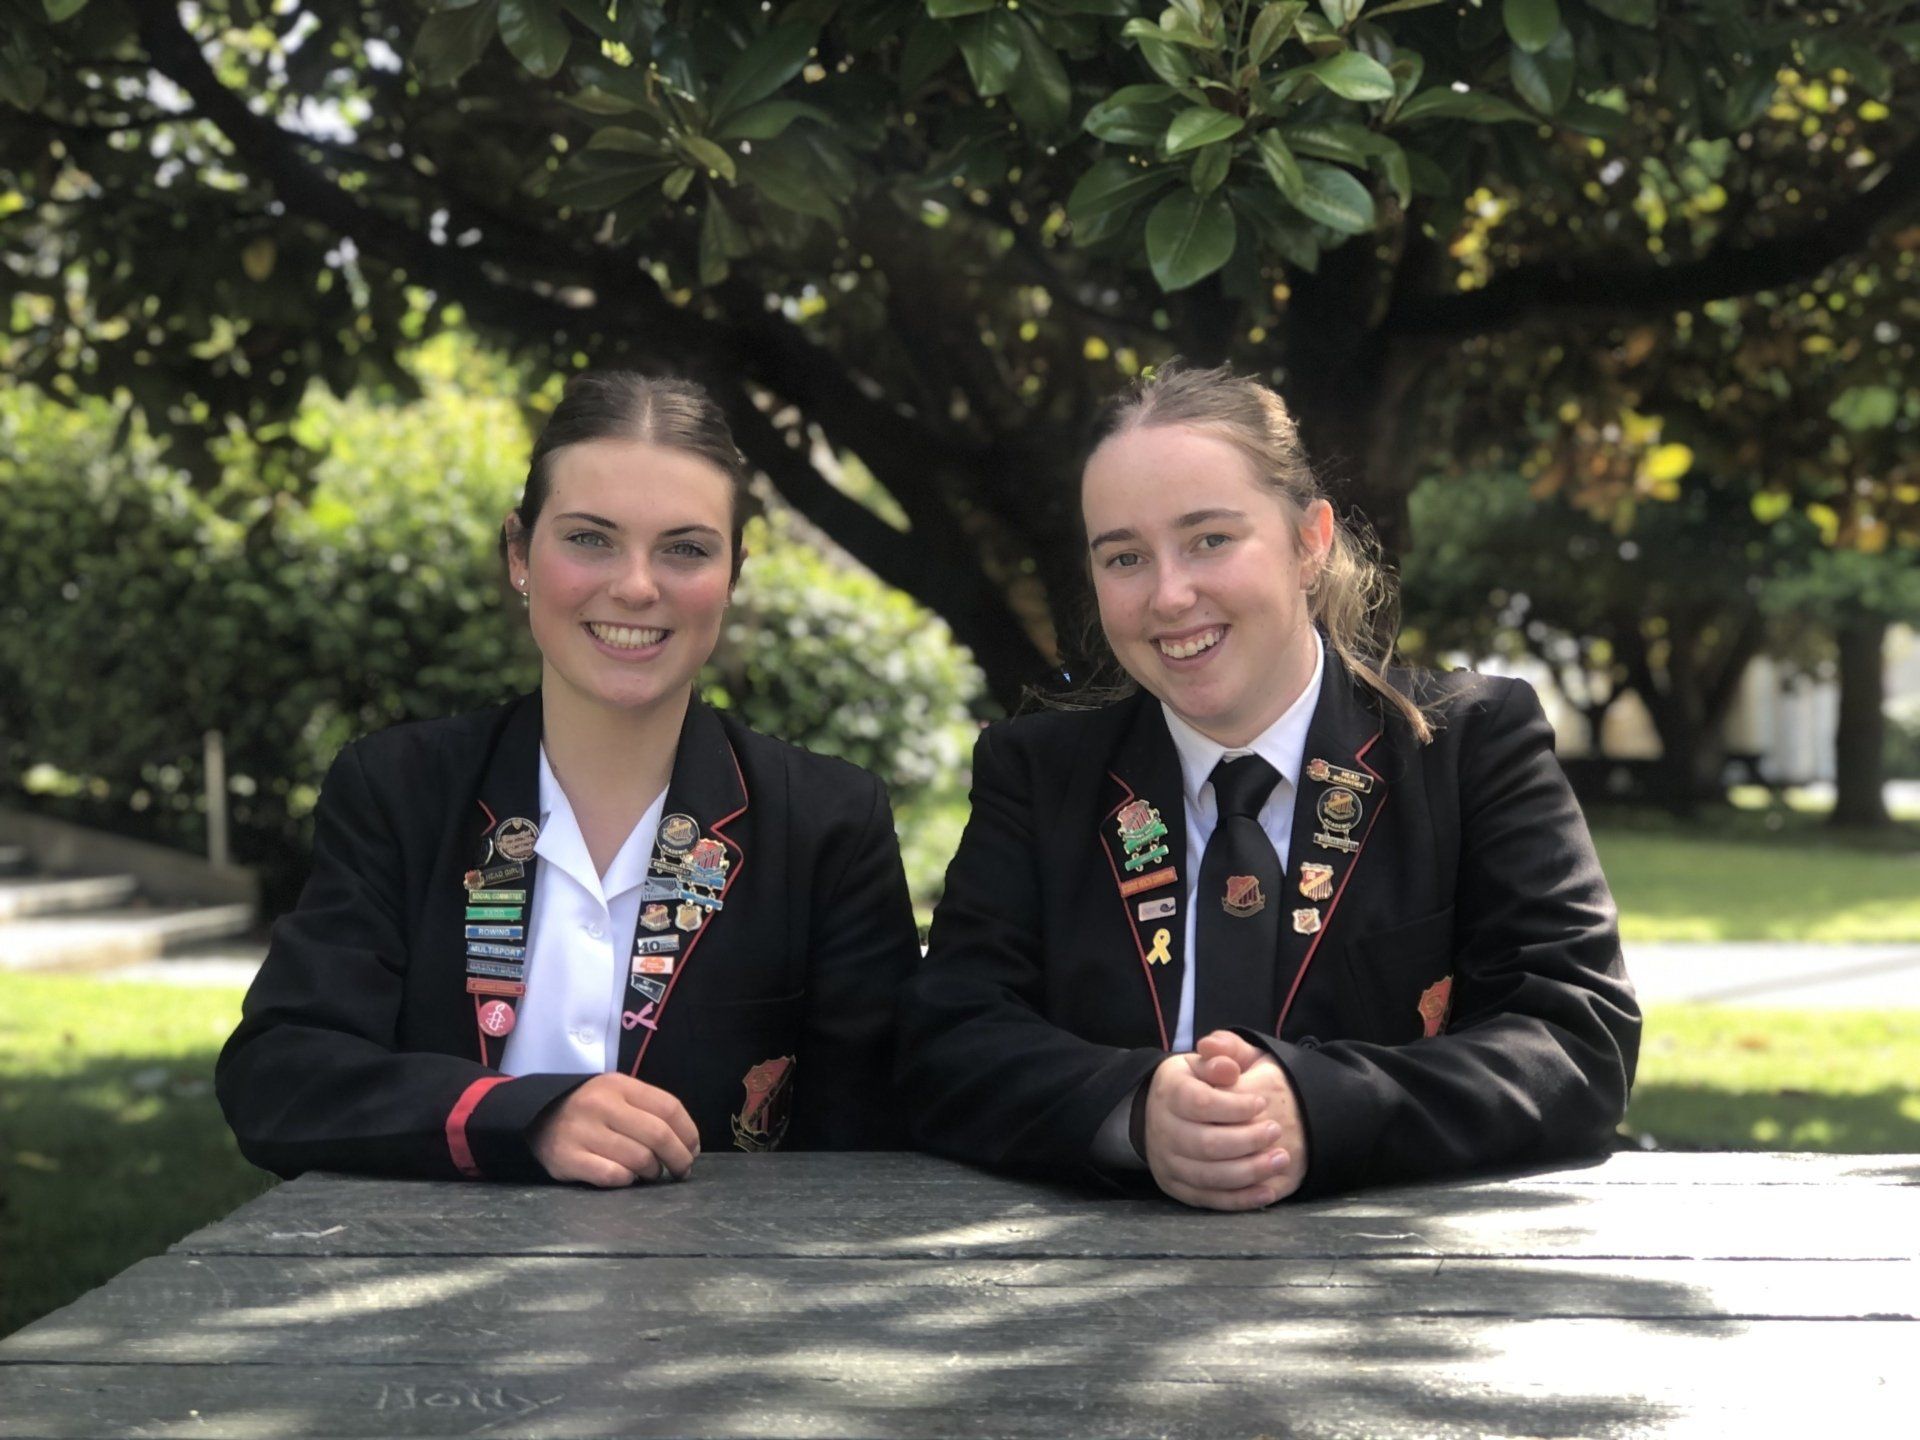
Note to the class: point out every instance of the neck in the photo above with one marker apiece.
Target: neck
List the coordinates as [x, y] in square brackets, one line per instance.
[1295, 672]
[610, 761]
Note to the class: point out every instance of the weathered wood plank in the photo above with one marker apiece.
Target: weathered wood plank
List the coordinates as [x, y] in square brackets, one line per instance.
[915, 1206]
[1239, 1377]
[493, 1310]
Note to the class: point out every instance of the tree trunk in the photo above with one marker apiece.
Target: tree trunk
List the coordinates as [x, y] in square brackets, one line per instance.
[1860, 736]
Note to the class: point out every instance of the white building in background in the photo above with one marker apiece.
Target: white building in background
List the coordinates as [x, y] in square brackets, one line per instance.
[1783, 715]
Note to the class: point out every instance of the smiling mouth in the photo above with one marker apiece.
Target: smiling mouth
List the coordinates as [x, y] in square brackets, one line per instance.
[1192, 645]
[626, 637]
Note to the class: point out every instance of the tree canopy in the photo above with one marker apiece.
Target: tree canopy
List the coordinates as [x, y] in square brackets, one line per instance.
[930, 236]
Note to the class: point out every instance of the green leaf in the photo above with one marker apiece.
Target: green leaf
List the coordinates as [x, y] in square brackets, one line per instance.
[23, 84]
[1039, 90]
[1353, 76]
[1280, 229]
[628, 141]
[1393, 167]
[1341, 13]
[1113, 185]
[1179, 33]
[1281, 166]
[703, 151]
[1167, 61]
[1189, 237]
[1596, 120]
[676, 183]
[536, 34]
[1132, 115]
[1202, 125]
[1399, 5]
[1339, 140]
[929, 46]
[991, 45]
[600, 179]
[450, 44]
[1334, 198]
[617, 81]
[782, 177]
[721, 239]
[1866, 407]
[1441, 103]
[1628, 12]
[1271, 29]
[1749, 97]
[1544, 78]
[1824, 52]
[1209, 168]
[768, 62]
[768, 119]
[954, 9]
[58, 10]
[1531, 23]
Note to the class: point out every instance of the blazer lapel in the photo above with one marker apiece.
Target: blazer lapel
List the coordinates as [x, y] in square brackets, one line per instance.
[496, 902]
[1144, 834]
[695, 865]
[1340, 797]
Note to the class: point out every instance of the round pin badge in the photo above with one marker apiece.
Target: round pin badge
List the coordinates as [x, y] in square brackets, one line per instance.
[515, 838]
[677, 834]
[496, 1018]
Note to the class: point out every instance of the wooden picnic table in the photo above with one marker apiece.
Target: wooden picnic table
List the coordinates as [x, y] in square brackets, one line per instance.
[900, 1295]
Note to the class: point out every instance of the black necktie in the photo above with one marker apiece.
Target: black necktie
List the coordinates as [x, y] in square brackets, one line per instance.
[1237, 932]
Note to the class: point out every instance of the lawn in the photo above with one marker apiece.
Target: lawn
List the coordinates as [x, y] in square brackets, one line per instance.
[111, 1146]
[1774, 875]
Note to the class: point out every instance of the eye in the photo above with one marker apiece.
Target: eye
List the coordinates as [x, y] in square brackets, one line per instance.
[1212, 541]
[588, 539]
[689, 549]
[1122, 560]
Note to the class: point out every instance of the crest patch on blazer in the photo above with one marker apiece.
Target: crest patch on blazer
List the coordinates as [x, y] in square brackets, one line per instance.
[761, 1123]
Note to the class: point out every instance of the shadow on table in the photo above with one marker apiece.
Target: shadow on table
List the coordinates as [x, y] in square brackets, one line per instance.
[1370, 1334]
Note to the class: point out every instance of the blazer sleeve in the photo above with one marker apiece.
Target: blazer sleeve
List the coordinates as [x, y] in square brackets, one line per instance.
[986, 1076]
[862, 944]
[314, 1078]
[1539, 1053]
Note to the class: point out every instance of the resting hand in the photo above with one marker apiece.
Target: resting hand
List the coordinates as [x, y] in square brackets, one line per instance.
[615, 1130]
[1255, 1072]
[1208, 1142]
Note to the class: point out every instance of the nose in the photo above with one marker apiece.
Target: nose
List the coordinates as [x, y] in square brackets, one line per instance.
[635, 586]
[1173, 592]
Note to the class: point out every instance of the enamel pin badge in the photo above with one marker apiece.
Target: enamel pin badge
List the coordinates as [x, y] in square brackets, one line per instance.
[1325, 774]
[1243, 897]
[1316, 881]
[1339, 810]
[1306, 921]
[1141, 831]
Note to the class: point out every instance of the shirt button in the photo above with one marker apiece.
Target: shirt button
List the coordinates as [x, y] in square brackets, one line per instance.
[595, 931]
[584, 1036]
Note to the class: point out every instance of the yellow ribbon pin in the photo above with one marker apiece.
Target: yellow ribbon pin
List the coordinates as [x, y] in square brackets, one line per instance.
[1160, 955]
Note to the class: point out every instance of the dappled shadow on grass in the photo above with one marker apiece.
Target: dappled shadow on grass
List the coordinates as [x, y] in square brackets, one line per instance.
[1698, 1117]
[103, 1164]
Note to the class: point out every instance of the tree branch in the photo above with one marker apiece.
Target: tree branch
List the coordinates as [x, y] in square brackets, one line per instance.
[1727, 269]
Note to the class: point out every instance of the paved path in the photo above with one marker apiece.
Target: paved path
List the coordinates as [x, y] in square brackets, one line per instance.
[1764, 974]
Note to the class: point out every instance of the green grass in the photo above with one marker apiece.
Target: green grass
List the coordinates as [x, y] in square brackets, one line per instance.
[111, 1145]
[1772, 875]
[1845, 1081]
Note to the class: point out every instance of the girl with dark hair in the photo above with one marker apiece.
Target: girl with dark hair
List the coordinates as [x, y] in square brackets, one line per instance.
[1288, 919]
[595, 930]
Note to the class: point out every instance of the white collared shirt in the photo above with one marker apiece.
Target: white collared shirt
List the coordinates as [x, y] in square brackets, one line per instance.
[578, 935]
[1282, 745]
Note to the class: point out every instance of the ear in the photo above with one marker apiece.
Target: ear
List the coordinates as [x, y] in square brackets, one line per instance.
[1316, 535]
[513, 546]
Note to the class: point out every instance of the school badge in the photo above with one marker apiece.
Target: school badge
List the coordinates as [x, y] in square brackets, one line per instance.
[516, 838]
[1141, 830]
[1323, 773]
[1243, 897]
[1316, 881]
[1339, 811]
[761, 1123]
[1435, 1001]
[677, 834]
[655, 916]
[1306, 922]
[707, 864]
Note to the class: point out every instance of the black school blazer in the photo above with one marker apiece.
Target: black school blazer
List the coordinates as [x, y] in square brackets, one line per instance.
[1462, 1003]
[360, 1048]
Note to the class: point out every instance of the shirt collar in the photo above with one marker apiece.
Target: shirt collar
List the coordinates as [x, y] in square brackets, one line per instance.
[562, 845]
[1282, 744]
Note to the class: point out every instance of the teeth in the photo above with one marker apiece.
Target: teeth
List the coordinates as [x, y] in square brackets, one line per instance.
[1186, 649]
[627, 637]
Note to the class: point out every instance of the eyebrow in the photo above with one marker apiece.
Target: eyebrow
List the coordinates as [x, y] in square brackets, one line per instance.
[602, 521]
[1184, 522]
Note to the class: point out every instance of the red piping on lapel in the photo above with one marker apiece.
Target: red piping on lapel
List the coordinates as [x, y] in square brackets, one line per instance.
[479, 1030]
[1153, 993]
[739, 864]
[457, 1121]
[492, 824]
[1360, 759]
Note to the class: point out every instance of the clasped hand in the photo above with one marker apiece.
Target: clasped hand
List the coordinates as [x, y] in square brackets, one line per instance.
[615, 1130]
[1223, 1128]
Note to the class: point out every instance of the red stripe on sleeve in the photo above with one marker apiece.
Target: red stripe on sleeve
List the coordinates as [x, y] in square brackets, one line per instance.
[457, 1123]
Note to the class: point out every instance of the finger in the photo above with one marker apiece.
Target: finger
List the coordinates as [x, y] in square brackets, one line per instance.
[1224, 1142]
[631, 1155]
[666, 1105]
[1216, 1070]
[1227, 1045]
[587, 1168]
[1252, 1197]
[648, 1129]
[1193, 1100]
[1261, 1170]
